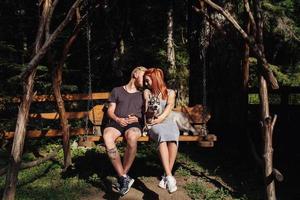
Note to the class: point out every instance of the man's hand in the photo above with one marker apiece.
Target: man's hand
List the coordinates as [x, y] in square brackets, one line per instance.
[122, 121]
[132, 119]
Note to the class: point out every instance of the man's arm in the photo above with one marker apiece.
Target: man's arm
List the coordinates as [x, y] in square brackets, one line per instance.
[113, 116]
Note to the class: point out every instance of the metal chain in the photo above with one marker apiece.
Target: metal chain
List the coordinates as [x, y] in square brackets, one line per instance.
[90, 100]
[204, 44]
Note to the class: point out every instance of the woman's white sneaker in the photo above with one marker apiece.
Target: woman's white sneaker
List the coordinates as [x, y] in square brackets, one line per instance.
[163, 182]
[171, 184]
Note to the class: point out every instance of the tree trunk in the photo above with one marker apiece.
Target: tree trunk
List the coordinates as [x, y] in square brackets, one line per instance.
[194, 25]
[20, 131]
[266, 119]
[267, 132]
[170, 40]
[18, 143]
[57, 81]
[256, 44]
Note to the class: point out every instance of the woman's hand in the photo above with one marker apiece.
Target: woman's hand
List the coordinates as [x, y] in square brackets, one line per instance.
[157, 120]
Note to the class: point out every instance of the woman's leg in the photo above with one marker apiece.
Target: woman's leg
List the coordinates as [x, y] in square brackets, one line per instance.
[164, 156]
[172, 149]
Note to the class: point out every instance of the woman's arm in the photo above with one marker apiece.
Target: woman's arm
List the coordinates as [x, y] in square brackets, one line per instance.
[169, 107]
[146, 95]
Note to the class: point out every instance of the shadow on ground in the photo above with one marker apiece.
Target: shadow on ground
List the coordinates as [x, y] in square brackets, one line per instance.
[95, 168]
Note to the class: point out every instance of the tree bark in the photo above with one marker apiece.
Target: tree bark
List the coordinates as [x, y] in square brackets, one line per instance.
[267, 126]
[170, 40]
[57, 81]
[20, 131]
[267, 132]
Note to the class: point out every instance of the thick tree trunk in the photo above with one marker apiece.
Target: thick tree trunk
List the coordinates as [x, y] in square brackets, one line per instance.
[20, 131]
[18, 143]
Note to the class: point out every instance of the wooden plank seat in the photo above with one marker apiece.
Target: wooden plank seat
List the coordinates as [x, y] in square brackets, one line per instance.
[96, 116]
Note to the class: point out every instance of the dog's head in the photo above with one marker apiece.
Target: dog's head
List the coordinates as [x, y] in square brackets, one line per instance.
[154, 108]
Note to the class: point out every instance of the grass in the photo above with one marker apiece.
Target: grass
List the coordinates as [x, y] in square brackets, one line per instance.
[45, 182]
[92, 170]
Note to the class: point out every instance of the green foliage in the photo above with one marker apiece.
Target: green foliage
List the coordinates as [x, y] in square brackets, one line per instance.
[283, 78]
[198, 190]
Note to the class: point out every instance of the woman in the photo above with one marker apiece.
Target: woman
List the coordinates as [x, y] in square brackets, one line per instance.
[163, 129]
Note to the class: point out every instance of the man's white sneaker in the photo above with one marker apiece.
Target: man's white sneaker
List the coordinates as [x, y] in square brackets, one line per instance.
[171, 184]
[163, 182]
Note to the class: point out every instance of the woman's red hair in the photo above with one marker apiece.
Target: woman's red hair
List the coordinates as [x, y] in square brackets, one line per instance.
[158, 83]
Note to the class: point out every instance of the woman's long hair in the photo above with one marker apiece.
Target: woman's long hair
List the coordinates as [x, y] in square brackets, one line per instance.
[158, 83]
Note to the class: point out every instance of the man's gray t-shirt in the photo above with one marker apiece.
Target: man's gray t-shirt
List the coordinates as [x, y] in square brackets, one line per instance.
[127, 103]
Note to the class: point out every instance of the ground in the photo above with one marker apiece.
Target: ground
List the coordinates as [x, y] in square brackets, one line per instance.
[144, 188]
[210, 174]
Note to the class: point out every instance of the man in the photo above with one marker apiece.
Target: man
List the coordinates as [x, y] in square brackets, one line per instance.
[125, 113]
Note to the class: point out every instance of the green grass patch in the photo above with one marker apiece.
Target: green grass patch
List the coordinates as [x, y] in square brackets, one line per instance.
[45, 182]
[198, 190]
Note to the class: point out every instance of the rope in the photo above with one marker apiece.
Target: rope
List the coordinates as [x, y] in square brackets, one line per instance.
[90, 100]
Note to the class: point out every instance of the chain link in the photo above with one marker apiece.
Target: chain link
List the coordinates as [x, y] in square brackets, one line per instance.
[90, 100]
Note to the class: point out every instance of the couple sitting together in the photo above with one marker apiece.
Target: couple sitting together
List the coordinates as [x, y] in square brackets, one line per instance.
[126, 107]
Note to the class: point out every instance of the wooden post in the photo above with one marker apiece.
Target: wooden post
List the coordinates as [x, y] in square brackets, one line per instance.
[255, 42]
[267, 125]
[57, 80]
[267, 132]
[20, 131]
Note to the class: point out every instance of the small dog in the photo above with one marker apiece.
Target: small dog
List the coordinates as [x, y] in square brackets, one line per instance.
[180, 118]
[153, 111]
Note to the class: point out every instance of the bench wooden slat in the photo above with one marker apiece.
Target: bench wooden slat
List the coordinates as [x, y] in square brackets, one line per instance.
[95, 115]
[81, 131]
[55, 115]
[66, 97]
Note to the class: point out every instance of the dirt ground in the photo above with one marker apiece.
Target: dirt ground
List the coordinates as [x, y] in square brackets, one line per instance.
[145, 188]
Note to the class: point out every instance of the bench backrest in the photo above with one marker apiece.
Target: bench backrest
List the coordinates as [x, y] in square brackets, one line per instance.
[196, 113]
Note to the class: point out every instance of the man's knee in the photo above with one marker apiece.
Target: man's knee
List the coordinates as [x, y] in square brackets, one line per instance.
[132, 137]
[109, 139]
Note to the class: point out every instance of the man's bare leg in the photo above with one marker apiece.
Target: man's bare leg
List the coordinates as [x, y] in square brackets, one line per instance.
[132, 135]
[109, 136]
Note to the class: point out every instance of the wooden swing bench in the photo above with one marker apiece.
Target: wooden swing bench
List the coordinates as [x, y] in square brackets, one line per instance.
[95, 116]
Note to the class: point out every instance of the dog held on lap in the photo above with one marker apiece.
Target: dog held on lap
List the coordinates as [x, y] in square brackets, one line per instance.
[180, 118]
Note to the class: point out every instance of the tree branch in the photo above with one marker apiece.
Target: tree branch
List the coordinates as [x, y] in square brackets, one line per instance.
[33, 63]
[32, 163]
[266, 72]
